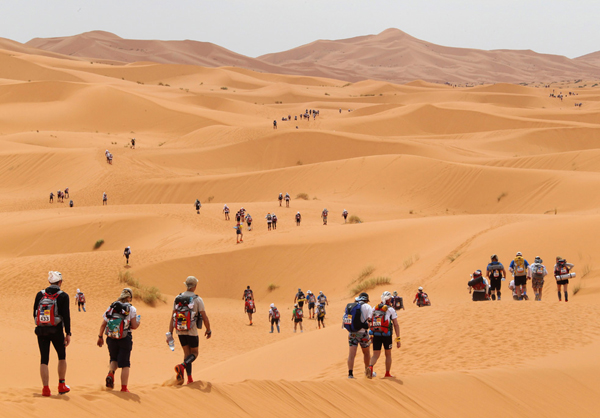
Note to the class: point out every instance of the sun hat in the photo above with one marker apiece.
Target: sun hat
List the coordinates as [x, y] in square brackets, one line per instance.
[54, 276]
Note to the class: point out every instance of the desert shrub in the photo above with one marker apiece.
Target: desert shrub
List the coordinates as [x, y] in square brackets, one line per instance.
[370, 284]
[223, 88]
[98, 244]
[147, 294]
[411, 260]
[364, 273]
[210, 199]
[353, 219]
[272, 286]
[302, 196]
[501, 195]
[454, 256]
[576, 289]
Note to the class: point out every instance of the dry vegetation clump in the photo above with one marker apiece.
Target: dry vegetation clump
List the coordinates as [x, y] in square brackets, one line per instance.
[147, 294]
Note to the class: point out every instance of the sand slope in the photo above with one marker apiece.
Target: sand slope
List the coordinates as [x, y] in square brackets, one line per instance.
[440, 177]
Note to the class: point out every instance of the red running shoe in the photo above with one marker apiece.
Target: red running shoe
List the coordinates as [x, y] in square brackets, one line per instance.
[190, 380]
[180, 370]
[110, 380]
[63, 388]
[46, 391]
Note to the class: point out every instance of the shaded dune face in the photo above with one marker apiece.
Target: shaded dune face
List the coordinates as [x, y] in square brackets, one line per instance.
[440, 177]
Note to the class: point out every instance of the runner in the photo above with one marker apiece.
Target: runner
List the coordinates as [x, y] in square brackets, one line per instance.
[66, 192]
[51, 197]
[324, 216]
[274, 317]
[80, 299]
[59, 196]
[187, 317]
[198, 206]
[345, 215]
[300, 298]
[320, 312]
[127, 253]
[70, 203]
[274, 219]
[562, 273]
[287, 200]
[110, 158]
[479, 286]
[274, 124]
[298, 218]
[238, 233]
[133, 143]
[421, 298]
[310, 299]
[249, 308]
[322, 299]
[397, 302]
[280, 198]
[297, 315]
[518, 267]
[248, 293]
[269, 219]
[104, 199]
[249, 221]
[238, 217]
[226, 212]
[356, 321]
[496, 275]
[384, 319]
[117, 322]
[53, 321]
[242, 214]
[536, 272]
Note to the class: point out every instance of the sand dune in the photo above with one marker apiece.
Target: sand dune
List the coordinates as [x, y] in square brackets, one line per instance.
[440, 177]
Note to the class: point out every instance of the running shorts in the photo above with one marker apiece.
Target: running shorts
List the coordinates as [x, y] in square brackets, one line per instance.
[379, 340]
[360, 337]
[495, 284]
[561, 282]
[119, 350]
[189, 340]
[520, 280]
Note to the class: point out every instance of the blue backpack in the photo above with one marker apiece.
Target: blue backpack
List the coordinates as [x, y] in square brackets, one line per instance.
[352, 318]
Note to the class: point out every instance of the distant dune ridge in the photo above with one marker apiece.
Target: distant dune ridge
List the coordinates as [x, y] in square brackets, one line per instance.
[391, 55]
[441, 178]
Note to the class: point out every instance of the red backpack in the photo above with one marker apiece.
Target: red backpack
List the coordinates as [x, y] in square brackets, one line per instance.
[275, 313]
[381, 326]
[250, 304]
[299, 313]
[46, 314]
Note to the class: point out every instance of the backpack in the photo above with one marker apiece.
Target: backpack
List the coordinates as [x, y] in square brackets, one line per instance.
[274, 218]
[184, 312]
[325, 213]
[519, 266]
[301, 297]
[275, 313]
[397, 302]
[269, 217]
[46, 314]
[247, 293]
[537, 271]
[424, 299]
[280, 196]
[495, 269]
[127, 251]
[561, 269]
[250, 304]
[80, 297]
[381, 326]
[299, 314]
[321, 311]
[298, 216]
[352, 318]
[248, 218]
[118, 324]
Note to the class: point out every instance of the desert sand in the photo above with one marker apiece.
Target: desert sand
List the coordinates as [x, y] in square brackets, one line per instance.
[441, 178]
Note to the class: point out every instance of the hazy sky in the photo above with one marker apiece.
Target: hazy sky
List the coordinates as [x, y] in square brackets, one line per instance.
[253, 28]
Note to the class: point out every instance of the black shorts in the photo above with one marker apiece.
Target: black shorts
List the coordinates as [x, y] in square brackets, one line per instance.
[296, 320]
[238, 231]
[379, 340]
[54, 336]
[274, 321]
[479, 296]
[520, 280]
[189, 340]
[311, 305]
[300, 303]
[80, 303]
[561, 282]
[249, 223]
[119, 350]
[495, 284]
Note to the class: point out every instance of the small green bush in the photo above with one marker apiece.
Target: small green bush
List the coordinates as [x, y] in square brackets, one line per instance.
[370, 284]
[353, 219]
[272, 286]
[98, 244]
[149, 295]
[302, 196]
[364, 273]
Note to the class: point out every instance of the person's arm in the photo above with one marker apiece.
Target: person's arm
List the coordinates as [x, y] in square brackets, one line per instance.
[528, 272]
[36, 303]
[100, 342]
[208, 332]
[64, 310]
[397, 329]
[171, 326]
[133, 322]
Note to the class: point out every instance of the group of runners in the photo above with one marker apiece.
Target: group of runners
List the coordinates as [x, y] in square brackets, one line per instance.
[488, 287]
[60, 196]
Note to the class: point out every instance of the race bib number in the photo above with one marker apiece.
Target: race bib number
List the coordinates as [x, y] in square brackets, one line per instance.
[376, 322]
[44, 319]
[348, 320]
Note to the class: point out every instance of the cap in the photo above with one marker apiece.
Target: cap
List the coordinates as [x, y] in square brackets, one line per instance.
[78, 291]
[191, 281]
[519, 254]
[272, 305]
[308, 291]
[494, 256]
[54, 276]
[420, 287]
[126, 293]
[385, 296]
[395, 293]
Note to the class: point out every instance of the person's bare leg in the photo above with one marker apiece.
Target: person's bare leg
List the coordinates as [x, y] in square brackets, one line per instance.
[62, 369]
[124, 376]
[45, 374]
[388, 360]
[366, 355]
[375, 357]
[351, 356]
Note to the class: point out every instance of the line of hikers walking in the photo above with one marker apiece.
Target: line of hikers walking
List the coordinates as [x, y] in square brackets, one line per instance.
[489, 287]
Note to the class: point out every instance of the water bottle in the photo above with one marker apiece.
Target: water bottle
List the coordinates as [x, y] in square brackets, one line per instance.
[171, 341]
[139, 318]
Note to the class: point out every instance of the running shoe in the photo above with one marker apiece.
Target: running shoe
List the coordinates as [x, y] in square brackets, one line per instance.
[125, 389]
[369, 372]
[46, 391]
[350, 376]
[387, 374]
[110, 380]
[525, 297]
[180, 370]
[63, 388]
[190, 380]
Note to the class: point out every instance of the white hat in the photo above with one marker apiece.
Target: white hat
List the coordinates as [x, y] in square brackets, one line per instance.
[519, 254]
[54, 276]
[420, 287]
[78, 291]
[272, 305]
